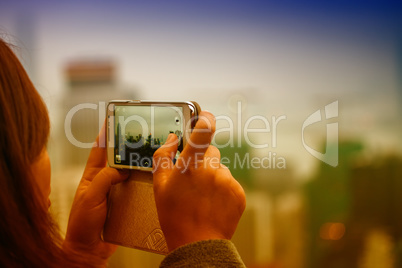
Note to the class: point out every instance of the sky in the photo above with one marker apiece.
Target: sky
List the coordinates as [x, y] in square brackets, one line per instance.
[144, 120]
[172, 45]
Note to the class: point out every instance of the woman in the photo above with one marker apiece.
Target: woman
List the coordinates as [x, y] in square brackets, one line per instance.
[198, 208]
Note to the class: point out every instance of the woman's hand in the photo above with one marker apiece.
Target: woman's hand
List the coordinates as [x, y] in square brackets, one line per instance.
[197, 198]
[88, 212]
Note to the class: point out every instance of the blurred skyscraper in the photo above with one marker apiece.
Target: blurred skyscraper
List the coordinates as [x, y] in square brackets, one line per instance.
[90, 85]
[399, 75]
[25, 34]
[354, 207]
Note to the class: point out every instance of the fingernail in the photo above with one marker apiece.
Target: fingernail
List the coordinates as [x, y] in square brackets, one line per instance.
[171, 137]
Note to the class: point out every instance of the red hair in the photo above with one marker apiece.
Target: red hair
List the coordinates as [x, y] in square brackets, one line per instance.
[28, 235]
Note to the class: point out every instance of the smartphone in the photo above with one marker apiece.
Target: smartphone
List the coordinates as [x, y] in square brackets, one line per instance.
[136, 129]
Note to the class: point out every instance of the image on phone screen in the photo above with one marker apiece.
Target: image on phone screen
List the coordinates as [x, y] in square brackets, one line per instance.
[140, 130]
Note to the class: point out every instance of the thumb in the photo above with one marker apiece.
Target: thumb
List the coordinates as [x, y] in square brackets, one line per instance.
[201, 137]
[162, 159]
[102, 182]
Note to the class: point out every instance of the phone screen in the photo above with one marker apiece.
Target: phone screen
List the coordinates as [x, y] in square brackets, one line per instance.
[139, 130]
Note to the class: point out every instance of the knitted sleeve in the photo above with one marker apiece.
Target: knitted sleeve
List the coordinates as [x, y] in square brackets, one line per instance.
[207, 253]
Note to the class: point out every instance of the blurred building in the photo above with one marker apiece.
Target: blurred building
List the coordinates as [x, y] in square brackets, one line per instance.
[26, 37]
[399, 70]
[354, 214]
[328, 201]
[271, 230]
[376, 210]
[90, 85]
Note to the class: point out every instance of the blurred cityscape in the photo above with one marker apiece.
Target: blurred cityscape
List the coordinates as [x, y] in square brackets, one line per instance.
[139, 149]
[301, 212]
[346, 216]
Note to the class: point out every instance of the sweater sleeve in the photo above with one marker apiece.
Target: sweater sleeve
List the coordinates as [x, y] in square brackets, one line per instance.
[207, 253]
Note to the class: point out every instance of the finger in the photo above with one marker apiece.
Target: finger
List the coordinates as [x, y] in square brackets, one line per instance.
[200, 138]
[162, 158]
[212, 157]
[102, 182]
[212, 151]
[98, 157]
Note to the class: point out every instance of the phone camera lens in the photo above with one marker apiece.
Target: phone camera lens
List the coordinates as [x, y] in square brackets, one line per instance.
[177, 120]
